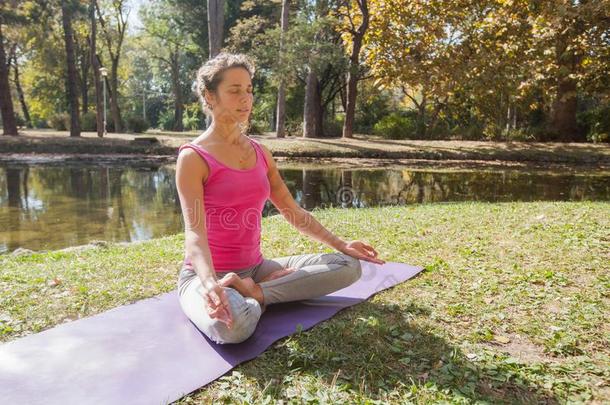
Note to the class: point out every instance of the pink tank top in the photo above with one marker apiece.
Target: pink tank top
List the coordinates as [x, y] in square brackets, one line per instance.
[234, 201]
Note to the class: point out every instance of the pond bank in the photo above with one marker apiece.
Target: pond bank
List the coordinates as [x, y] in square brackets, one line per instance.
[308, 163]
[361, 147]
[511, 307]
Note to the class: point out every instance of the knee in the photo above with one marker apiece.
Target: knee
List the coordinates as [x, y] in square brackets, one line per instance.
[246, 313]
[352, 269]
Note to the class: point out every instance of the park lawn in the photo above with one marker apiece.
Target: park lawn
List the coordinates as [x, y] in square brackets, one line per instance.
[361, 146]
[512, 306]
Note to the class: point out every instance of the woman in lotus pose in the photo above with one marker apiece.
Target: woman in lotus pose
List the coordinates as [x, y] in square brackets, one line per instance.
[223, 179]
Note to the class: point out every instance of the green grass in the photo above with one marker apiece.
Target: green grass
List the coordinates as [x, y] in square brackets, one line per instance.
[512, 306]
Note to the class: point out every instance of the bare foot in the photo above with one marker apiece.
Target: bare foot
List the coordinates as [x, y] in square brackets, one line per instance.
[278, 274]
[245, 286]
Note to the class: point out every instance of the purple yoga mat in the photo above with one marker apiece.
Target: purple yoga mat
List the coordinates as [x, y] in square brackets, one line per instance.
[149, 352]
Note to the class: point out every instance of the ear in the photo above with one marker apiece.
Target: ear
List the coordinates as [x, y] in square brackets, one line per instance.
[209, 96]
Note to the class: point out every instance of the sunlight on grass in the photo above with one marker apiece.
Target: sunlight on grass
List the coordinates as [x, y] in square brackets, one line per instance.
[511, 306]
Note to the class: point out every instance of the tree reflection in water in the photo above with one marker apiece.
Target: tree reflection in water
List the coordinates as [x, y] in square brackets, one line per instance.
[47, 207]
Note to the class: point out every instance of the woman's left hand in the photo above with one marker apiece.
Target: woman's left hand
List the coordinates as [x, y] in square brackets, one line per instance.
[361, 250]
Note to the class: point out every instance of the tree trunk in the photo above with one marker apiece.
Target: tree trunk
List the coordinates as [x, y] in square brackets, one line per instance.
[563, 119]
[20, 94]
[215, 32]
[114, 96]
[66, 16]
[177, 89]
[281, 93]
[84, 82]
[9, 123]
[352, 88]
[215, 25]
[320, 113]
[353, 74]
[83, 73]
[99, 100]
[312, 101]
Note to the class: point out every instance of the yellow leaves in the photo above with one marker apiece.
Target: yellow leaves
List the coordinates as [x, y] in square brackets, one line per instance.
[380, 83]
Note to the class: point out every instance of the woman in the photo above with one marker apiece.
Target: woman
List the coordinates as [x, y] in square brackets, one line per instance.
[223, 179]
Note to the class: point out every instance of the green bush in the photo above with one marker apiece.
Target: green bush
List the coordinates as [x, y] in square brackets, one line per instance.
[110, 124]
[293, 127]
[60, 121]
[263, 111]
[88, 121]
[258, 127]
[371, 108]
[597, 123]
[193, 117]
[334, 127]
[137, 124]
[39, 123]
[519, 135]
[472, 132]
[396, 126]
[19, 120]
[166, 120]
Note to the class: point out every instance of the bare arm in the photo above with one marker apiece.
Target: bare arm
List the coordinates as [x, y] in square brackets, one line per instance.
[190, 175]
[191, 172]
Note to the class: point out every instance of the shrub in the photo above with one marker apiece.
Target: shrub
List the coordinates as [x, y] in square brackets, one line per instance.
[137, 124]
[166, 120]
[88, 121]
[396, 126]
[333, 127]
[19, 120]
[110, 123]
[293, 127]
[257, 126]
[193, 117]
[39, 123]
[60, 121]
[597, 123]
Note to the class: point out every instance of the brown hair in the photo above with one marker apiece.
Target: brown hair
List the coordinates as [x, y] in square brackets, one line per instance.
[210, 73]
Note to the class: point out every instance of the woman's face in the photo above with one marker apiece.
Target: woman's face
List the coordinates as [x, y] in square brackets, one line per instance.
[233, 99]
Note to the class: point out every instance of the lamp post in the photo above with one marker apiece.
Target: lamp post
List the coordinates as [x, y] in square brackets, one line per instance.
[104, 73]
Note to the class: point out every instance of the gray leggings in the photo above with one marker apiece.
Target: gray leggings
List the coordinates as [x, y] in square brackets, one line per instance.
[316, 274]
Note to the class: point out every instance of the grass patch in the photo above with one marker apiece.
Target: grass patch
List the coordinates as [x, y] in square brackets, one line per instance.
[512, 306]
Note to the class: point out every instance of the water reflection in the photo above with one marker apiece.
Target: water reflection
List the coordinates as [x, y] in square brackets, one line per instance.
[49, 207]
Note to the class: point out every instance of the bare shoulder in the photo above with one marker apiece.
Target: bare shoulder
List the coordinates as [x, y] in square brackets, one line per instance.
[190, 164]
[268, 155]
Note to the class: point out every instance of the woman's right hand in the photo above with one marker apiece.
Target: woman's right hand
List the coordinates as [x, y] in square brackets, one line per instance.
[216, 301]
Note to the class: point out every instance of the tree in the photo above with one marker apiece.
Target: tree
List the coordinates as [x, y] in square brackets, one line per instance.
[114, 26]
[9, 14]
[571, 44]
[67, 8]
[281, 92]
[14, 62]
[216, 10]
[167, 43]
[324, 66]
[94, 60]
[356, 19]
[419, 48]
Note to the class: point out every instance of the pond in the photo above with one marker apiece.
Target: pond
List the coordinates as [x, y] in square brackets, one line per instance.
[46, 207]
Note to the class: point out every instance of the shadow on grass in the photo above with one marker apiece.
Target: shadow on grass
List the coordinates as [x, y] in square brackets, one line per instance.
[374, 350]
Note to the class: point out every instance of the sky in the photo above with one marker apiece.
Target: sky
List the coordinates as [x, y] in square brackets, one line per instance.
[133, 22]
